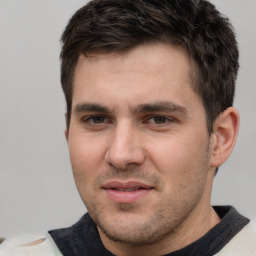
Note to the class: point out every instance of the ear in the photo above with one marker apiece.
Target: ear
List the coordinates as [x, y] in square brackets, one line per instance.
[66, 134]
[223, 138]
[66, 130]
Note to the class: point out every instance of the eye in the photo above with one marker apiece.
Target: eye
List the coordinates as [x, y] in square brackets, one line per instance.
[97, 119]
[158, 120]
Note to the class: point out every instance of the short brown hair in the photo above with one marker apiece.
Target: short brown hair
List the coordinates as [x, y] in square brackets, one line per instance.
[120, 25]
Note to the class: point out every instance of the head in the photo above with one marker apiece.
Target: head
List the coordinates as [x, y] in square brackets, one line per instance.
[149, 88]
[117, 26]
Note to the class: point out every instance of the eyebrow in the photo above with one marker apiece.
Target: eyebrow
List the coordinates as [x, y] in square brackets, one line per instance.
[90, 107]
[161, 106]
[164, 106]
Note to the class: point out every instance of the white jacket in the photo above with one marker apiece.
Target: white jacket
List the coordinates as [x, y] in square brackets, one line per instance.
[243, 244]
[23, 246]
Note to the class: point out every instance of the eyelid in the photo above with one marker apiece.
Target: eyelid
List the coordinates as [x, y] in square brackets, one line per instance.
[168, 119]
[88, 118]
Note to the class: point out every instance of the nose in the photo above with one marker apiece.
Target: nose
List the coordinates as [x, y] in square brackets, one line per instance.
[125, 147]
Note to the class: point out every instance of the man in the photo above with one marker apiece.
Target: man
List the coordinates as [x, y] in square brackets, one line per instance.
[149, 86]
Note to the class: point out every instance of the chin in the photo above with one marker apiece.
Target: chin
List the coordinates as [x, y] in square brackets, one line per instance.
[134, 230]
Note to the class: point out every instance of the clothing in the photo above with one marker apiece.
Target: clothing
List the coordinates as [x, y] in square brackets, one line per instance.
[233, 236]
[244, 243]
[19, 246]
[83, 238]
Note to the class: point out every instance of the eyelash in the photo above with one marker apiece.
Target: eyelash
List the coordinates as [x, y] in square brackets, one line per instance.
[161, 118]
[150, 120]
[91, 118]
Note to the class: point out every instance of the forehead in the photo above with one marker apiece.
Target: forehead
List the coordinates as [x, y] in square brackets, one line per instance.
[152, 72]
[159, 55]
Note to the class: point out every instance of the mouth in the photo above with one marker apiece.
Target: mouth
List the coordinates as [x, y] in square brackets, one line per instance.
[126, 192]
[126, 189]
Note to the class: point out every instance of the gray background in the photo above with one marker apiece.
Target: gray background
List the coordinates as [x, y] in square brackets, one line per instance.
[36, 184]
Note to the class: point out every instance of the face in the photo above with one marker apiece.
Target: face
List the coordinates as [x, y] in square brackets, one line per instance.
[138, 142]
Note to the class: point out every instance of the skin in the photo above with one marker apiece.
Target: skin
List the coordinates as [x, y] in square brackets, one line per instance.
[135, 117]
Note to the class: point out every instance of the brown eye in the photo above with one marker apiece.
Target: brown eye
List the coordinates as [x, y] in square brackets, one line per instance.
[98, 119]
[159, 119]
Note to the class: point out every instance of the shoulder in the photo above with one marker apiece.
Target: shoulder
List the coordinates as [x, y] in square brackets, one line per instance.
[25, 245]
[243, 244]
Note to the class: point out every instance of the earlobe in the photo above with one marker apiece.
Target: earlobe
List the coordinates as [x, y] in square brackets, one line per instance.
[66, 134]
[66, 131]
[224, 136]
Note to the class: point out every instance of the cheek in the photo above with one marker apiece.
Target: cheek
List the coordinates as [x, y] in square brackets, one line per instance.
[169, 154]
[86, 159]
[184, 174]
[179, 159]
[84, 151]
[83, 159]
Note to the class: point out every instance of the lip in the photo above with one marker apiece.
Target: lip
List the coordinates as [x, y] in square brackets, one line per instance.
[126, 192]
